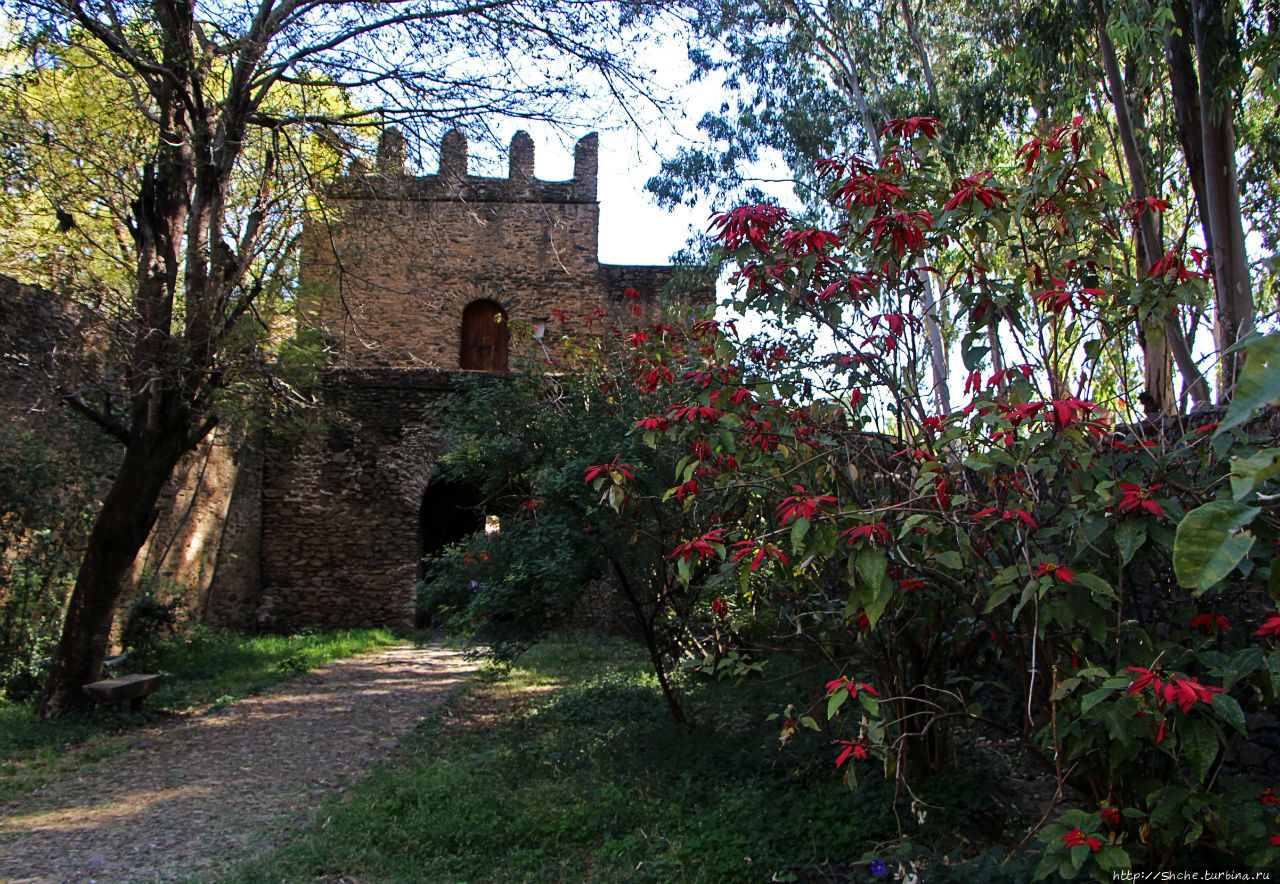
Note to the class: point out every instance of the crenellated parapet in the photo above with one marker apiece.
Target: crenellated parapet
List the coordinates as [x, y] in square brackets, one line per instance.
[388, 178]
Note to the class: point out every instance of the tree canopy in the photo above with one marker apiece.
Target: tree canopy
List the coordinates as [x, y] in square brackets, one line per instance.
[191, 179]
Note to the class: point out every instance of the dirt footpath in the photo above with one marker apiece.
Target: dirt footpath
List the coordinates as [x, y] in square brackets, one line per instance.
[197, 798]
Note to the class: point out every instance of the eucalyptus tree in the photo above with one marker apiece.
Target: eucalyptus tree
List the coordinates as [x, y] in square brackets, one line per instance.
[223, 96]
[1184, 89]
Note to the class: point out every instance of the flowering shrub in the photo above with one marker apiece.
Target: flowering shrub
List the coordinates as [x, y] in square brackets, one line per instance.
[998, 574]
[1025, 573]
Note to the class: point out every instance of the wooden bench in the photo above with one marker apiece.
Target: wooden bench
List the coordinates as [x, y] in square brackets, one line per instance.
[133, 689]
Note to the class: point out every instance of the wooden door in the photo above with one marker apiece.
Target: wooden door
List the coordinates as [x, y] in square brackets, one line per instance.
[484, 337]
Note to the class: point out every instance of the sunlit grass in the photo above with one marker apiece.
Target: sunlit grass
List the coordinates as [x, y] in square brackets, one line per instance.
[569, 768]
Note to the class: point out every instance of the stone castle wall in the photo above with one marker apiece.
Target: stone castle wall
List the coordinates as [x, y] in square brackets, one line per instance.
[340, 540]
[278, 532]
[388, 272]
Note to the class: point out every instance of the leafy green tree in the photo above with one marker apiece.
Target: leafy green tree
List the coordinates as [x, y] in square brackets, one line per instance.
[1024, 571]
[221, 98]
[820, 78]
[580, 502]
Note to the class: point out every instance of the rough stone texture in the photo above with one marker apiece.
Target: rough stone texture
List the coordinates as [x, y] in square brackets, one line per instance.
[189, 538]
[278, 533]
[386, 282]
[387, 277]
[340, 541]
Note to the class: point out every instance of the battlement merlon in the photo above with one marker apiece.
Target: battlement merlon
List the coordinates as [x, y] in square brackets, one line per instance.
[387, 178]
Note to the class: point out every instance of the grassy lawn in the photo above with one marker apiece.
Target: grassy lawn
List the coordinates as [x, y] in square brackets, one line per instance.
[205, 669]
[568, 768]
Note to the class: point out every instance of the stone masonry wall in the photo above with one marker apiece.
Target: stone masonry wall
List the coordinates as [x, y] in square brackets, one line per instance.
[340, 514]
[388, 273]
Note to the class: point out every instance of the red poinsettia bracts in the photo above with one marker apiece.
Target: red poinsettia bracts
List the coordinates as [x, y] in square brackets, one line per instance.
[703, 547]
[1210, 622]
[974, 187]
[1135, 497]
[1270, 626]
[613, 470]
[762, 553]
[1056, 571]
[905, 128]
[875, 533]
[851, 747]
[853, 687]
[748, 224]
[802, 505]
[1076, 838]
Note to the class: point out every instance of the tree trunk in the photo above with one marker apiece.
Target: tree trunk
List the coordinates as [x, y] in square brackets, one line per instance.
[1185, 87]
[1159, 340]
[122, 526]
[1234, 317]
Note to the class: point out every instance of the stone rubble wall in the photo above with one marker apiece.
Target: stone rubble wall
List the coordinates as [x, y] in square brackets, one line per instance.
[340, 514]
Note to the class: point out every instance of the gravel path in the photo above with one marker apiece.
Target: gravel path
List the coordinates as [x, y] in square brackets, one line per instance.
[196, 798]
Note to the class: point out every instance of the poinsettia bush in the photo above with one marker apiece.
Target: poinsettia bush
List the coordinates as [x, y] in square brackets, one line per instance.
[579, 500]
[998, 574]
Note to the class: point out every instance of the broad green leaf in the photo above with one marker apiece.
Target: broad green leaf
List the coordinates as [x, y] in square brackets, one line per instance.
[1242, 665]
[949, 559]
[798, 530]
[1199, 742]
[1248, 472]
[835, 701]
[1209, 543]
[1065, 688]
[869, 702]
[879, 601]
[1095, 584]
[1230, 712]
[872, 565]
[1259, 382]
[1093, 698]
[1111, 856]
[1130, 535]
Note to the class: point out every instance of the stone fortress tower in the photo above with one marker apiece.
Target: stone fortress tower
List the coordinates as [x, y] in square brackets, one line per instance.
[424, 272]
[410, 280]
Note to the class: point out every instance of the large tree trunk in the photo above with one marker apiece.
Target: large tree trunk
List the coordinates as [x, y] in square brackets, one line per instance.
[122, 526]
[1185, 88]
[1161, 342]
[1234, 318]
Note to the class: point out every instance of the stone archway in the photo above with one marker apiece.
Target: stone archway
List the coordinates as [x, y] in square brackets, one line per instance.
[449, 512]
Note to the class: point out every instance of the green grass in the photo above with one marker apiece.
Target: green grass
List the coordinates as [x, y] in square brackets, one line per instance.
[591, 782]
[204, 669]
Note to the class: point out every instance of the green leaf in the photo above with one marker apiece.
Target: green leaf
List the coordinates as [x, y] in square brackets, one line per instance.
[1209, 543]
[1230, 712]
[798, 530]
[1095, 583]
[1130, 535]
[1242, 664]
[1093, 698]
[1199, 742]
[1111, 856]
[1248, 472]
[949, 559]
[1259, 382]
[879, 601]
[835, 701]
[872, 565]
[1065, 687]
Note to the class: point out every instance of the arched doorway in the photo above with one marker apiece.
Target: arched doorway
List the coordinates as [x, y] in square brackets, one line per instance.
[450, 511]
[484, 337]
